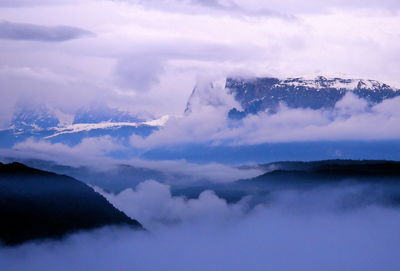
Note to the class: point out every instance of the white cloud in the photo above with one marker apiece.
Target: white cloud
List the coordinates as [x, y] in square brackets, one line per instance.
[95, 154]
[153, 205]
[351, 119]
[90, 151]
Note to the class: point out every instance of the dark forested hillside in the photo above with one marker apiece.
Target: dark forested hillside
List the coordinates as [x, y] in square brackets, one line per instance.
[37, 204]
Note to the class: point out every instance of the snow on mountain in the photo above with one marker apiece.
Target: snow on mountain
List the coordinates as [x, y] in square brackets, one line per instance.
[321, 82]
[39, 122]
[99, 112]
[81, 127]
[266, 94]
[33, 117]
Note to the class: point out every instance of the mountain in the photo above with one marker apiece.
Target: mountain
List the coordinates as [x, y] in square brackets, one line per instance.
[33, 117]
[98, 113]
[265, 94]
[320, 172]
[39, 122]
[114, 178]
[379, 181]
[378, 166]
[208, 94]
[36, 204]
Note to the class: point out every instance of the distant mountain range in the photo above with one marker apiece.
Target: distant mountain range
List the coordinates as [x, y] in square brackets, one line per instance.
[36, 204]
[247, 96]
[38, 121]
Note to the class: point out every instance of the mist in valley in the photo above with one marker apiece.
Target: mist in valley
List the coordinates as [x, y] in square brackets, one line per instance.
[298, 230]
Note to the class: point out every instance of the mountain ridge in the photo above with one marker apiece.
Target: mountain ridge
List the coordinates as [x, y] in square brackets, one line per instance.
[380, 178]
[268, 93]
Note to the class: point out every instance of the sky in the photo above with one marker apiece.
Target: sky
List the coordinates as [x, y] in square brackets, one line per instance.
[147, 56]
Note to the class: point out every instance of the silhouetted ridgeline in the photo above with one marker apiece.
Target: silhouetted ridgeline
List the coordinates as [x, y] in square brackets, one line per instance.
[335, 170]
[37, 204]
[379, 181]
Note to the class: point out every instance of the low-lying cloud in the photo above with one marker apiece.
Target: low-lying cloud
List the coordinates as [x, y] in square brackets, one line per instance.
[269, 237]
[153, 205]
[351, 119]
[95, 153]
[91, 151]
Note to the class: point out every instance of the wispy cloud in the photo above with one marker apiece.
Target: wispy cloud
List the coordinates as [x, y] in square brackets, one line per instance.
[32, 32]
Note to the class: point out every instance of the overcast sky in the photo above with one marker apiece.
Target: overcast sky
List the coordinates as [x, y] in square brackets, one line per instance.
[148, 55]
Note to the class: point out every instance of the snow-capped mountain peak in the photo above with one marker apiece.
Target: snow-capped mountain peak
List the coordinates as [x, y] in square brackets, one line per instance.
[99, 112]
[33, 116]
[266, 94]
[253, 95]
[321, 82]
[39, 122]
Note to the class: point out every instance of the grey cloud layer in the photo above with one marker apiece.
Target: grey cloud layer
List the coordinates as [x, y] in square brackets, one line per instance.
[225, 7]
[23, 31]
[143, 68]
[33, 3]
[282, 8]
[232, 5]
